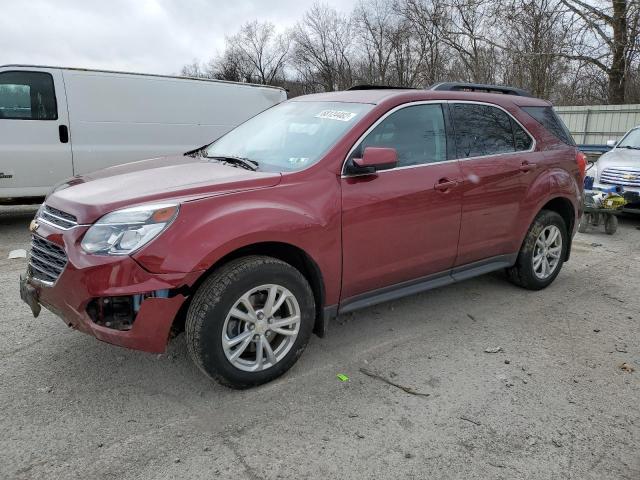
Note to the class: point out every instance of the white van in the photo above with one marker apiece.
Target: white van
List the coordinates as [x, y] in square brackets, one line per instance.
[59, 122]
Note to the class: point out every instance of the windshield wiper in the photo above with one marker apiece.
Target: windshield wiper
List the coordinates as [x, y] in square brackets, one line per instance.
[241, 162]
[630, 147]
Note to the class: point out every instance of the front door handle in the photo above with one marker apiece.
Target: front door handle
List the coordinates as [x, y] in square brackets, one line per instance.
[445, 184]
[63, 131]
[527, 167]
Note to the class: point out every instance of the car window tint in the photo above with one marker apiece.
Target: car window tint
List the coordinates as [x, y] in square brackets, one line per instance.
[27, 96]
[546, 117]
[416, 132]
[481, 130]
[521, 138]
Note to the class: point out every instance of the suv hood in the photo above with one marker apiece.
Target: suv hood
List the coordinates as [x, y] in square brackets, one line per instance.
[625, 157]
[619, 157]
[179, 178]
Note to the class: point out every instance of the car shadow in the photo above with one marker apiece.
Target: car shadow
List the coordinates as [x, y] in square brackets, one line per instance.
[91, 365]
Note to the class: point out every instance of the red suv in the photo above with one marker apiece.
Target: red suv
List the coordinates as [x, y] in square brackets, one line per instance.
[321, 205]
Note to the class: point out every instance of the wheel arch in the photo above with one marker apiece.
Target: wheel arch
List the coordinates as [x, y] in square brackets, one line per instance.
[565, 208]
[288, 253]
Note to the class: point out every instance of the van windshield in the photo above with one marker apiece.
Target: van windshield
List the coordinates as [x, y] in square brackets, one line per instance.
[290, 136]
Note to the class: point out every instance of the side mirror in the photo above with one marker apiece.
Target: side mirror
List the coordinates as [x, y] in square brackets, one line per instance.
[376, 158]
[611, 143]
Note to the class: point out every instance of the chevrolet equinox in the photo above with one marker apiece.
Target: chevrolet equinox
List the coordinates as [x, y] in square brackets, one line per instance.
[319, 206]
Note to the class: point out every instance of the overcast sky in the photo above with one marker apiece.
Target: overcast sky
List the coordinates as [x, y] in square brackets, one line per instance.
[149, 36]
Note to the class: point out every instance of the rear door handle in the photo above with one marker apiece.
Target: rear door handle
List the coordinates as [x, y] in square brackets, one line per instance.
[445, 184]
[63, 131]
[527, 167]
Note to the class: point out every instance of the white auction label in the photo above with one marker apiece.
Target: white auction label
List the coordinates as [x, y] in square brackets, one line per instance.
[336, 115]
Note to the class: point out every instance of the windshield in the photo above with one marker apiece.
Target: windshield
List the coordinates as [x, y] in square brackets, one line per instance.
[631, 140]
[290, 136]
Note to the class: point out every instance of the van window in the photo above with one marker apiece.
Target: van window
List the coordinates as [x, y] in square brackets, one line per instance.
[27, 96]
[482, 130]
[417, 133]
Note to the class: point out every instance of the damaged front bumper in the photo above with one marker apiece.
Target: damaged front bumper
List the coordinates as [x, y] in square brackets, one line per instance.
[111, 298]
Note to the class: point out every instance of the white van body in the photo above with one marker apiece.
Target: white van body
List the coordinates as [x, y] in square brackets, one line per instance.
[59, 122]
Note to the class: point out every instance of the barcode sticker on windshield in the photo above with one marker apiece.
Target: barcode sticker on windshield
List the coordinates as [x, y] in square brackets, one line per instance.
[336, 115]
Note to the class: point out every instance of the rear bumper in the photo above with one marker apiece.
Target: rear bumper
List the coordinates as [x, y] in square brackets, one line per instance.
[89, 277]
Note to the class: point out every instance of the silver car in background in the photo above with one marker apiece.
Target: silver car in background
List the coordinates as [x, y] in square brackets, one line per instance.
[621, 166]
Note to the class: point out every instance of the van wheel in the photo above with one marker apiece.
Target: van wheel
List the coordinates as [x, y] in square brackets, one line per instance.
[611, 224]
[585, 220]
[250, 321]
[542, 253]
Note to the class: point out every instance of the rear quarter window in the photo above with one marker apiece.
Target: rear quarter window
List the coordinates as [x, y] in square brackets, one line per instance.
[546, 117]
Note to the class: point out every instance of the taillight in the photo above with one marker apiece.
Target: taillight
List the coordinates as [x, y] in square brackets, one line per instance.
[581, 160]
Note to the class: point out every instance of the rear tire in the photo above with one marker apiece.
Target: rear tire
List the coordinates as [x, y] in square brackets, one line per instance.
[542, 253]
[233, 305]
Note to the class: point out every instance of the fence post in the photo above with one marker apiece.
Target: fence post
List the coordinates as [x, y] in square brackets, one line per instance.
[586, 126]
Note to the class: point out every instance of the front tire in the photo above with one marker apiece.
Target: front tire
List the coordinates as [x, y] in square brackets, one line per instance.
[542, 253]
[250, 321]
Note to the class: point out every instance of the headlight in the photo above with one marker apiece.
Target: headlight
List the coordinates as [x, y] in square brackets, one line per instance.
[124, 231]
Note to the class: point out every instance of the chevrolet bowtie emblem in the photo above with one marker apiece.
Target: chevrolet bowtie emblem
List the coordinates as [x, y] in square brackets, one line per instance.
[33, 226]
[628, 176]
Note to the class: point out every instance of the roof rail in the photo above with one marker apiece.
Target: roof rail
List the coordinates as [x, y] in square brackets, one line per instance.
[378, 87]
[479, 87]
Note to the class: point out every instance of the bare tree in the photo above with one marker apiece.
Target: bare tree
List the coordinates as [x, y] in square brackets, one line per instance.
[421, 56]
[196, 70]
[607, 37]
[533, 36]
[466, 31]
[258, 49]
[570, 51]
[376, 25]
[323, 42]
[232, 65]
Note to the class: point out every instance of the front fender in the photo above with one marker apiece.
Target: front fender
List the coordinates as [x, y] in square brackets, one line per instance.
[209, 229]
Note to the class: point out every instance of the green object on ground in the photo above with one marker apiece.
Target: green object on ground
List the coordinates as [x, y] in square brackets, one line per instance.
[342, 377]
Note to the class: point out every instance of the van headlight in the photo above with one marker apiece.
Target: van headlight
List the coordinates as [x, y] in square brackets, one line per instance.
[125, 231]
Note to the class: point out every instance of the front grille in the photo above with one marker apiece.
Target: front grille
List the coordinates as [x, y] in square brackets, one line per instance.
[625, 176]
[57, 218]
[46, 260]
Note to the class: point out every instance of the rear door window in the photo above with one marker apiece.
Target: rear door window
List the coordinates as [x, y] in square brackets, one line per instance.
[482, 130]
[27, 96]
[523, 141]
[546, 117]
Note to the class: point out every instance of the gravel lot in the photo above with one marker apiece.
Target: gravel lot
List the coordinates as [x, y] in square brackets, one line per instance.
[554, 403]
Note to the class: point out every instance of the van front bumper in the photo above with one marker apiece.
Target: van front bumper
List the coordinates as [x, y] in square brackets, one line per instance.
[90, 279]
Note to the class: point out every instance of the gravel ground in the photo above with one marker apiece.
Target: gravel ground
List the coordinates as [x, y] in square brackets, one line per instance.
[553, 403]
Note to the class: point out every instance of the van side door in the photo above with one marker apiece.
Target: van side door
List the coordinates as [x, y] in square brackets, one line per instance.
[35, 148]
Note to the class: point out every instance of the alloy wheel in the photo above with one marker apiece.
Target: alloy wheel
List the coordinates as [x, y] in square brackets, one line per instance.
[261, 328]
[547, 252]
